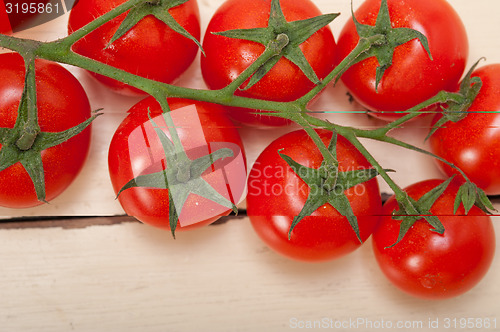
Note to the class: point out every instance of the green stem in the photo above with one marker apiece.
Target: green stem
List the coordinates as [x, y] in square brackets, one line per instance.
[399, 193]
[362, 47]
[381, 134]
[174, 135]
[272, 50]
[327, 155]
[23, 46]
[440, 98]
[66, 42]
[394, 141]
[305, 120]
[49, 52]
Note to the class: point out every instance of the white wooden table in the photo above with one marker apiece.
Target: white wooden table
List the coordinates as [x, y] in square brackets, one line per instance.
[109, 273]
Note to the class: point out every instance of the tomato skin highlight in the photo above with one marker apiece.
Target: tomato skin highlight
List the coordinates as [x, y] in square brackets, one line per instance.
[62, 103]
[226, 58]
[150, 49]
[126, 160]
[413, 76]
[429, 265]
[473, 143]
[276, 194]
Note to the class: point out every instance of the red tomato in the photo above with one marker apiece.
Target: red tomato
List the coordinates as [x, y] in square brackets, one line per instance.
[62, 104]
[276, 194]
[137, 150]
[226, 58]
[473, 143]
[430, 265]
[413, 76]
[150, 49]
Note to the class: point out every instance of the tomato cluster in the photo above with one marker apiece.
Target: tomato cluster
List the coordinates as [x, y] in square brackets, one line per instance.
[312, 195]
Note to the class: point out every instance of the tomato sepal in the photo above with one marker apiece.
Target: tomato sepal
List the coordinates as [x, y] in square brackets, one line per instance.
[181, 177]
[469, 195]
[327, 186]
[410, 211]
[158, 9]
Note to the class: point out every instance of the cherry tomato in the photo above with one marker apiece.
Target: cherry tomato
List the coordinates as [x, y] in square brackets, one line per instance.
[150, 49]
[62, 104]
[137, 150]
[226, 58]
[472, 144]
[413, 76]
[431, 265]
[276, 194]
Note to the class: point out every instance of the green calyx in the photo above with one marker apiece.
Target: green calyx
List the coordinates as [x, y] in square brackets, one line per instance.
[160, 10]
[470, 195]
[410, 210]
[284, 37]
[31, 158]
[182, 177]
[327, 186]
[457, 109]
[381, 40]
[25, 142]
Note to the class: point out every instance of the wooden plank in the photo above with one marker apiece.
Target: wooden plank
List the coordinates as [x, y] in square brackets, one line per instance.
[83, 222]
[63, 222]
[91, 194]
